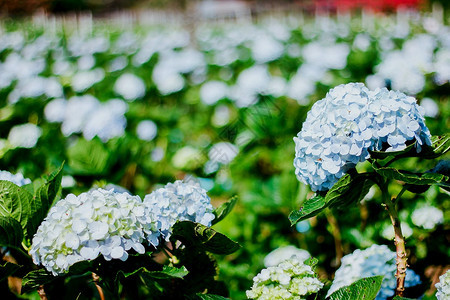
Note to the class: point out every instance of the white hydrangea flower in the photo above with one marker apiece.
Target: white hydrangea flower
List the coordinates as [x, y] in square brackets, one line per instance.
[178, 201]
[212, 91]
[83, 80]
[146, 130]
[290, 279]
[427, 217]
[130, 87]
[17, 179]
[282, 253]
[24, 136]
[340, 130]
[95, 223]
[106, 121]
[375, 260]
[443, 286]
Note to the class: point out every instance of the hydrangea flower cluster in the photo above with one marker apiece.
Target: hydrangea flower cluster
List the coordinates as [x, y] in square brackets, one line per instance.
[340, 130]
[291, 279]
[178, 201]
[427, 217]
[443, 286]
[17, 179]
[375, 260]
[95, 223]
[282, 253]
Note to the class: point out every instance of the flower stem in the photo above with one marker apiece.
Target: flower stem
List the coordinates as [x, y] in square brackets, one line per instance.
[337, 237]
[399, 240]
[41, 292]
[95, 277]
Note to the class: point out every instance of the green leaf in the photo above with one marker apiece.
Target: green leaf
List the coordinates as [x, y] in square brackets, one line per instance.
[15, 203]
[222, 211]
[439, 146]
[402, 298]
[42, 201]
[408, 151]
[349, 189]
[11, 232]
[88, 157]
[363, 289]
[312, 262]
[203, 237]
[211, 297]
[36, 278]
[7, 270]
[167, 273]
[310, 208]
[415, 178]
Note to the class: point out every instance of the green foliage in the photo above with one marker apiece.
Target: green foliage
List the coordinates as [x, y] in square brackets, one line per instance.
[203, 237]
[363, 289]
[8, 269]
[223, 210]
[11, 233]
[36, 278]
[349, 189]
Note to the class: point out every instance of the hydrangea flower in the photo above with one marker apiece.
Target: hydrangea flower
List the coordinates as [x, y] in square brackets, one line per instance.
[291, 279]
[427, 217]
[282, 253]
[375, 260]
[95, 223]
[146, 130]
[340, 130]
[24, 136]
[17, 179]
[443, 286]
[178, 201]
[130, 87]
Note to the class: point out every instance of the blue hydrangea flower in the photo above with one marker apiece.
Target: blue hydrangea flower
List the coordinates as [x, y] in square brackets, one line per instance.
[375, 260]
[178, 201]
[95, 223]
[340, 129]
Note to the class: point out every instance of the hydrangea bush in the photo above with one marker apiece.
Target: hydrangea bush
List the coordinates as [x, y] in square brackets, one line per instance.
[443, 286]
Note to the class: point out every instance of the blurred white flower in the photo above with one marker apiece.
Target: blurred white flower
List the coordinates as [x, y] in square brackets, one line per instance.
[430, 107]
[427, 217]
[77, 113]
[83, 80]
[107, 121]
[213, 91]
[167, 81]
[118, 64]
[265, 48]
[55, 110]
[221, 116]
[187, 157]
[67, 181]
[283, 253]
[146, 130]
[24, 136]
[86, 62]
[130, 87]
[17, 179]
[223, 153]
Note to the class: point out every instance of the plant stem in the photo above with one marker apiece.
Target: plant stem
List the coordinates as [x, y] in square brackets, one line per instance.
[95, 277]
[41, 292]
[337, 237]
[399, 240]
